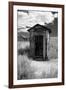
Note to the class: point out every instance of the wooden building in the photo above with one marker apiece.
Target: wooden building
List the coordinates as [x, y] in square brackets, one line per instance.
[39, 41]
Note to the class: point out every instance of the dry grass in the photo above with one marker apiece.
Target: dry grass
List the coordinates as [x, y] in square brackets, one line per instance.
[30, 69]
[25, 71]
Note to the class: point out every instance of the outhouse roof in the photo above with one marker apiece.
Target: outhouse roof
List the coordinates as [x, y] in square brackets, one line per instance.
[39, 27]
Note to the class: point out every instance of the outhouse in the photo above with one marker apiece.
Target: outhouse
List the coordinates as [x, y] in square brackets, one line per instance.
[39, 42]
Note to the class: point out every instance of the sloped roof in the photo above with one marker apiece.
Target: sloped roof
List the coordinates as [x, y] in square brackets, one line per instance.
[38, 27]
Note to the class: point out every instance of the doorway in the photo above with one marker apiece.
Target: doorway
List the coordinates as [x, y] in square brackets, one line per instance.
[39, 46]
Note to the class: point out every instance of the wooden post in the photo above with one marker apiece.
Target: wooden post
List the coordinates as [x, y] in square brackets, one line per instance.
[46, 44]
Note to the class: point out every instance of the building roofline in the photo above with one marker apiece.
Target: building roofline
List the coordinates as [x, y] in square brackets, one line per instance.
[41, 26]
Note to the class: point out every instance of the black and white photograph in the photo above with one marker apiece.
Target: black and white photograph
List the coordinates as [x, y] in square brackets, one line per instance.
[36, 44]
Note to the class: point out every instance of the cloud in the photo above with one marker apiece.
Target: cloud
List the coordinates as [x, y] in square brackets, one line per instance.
[34, 17]
[56, 15]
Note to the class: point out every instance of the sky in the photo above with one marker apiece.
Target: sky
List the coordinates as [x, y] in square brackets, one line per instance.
[27, 19]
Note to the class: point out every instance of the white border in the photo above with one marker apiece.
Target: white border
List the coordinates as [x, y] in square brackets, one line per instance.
[34, 81]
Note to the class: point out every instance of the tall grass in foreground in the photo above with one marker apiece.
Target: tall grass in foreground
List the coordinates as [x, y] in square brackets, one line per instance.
[29, 69]
[25, 71]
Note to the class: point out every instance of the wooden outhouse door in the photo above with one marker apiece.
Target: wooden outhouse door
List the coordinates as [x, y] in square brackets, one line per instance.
[38, 46]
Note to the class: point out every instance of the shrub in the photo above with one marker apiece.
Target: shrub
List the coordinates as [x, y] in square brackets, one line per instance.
[22, 51]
